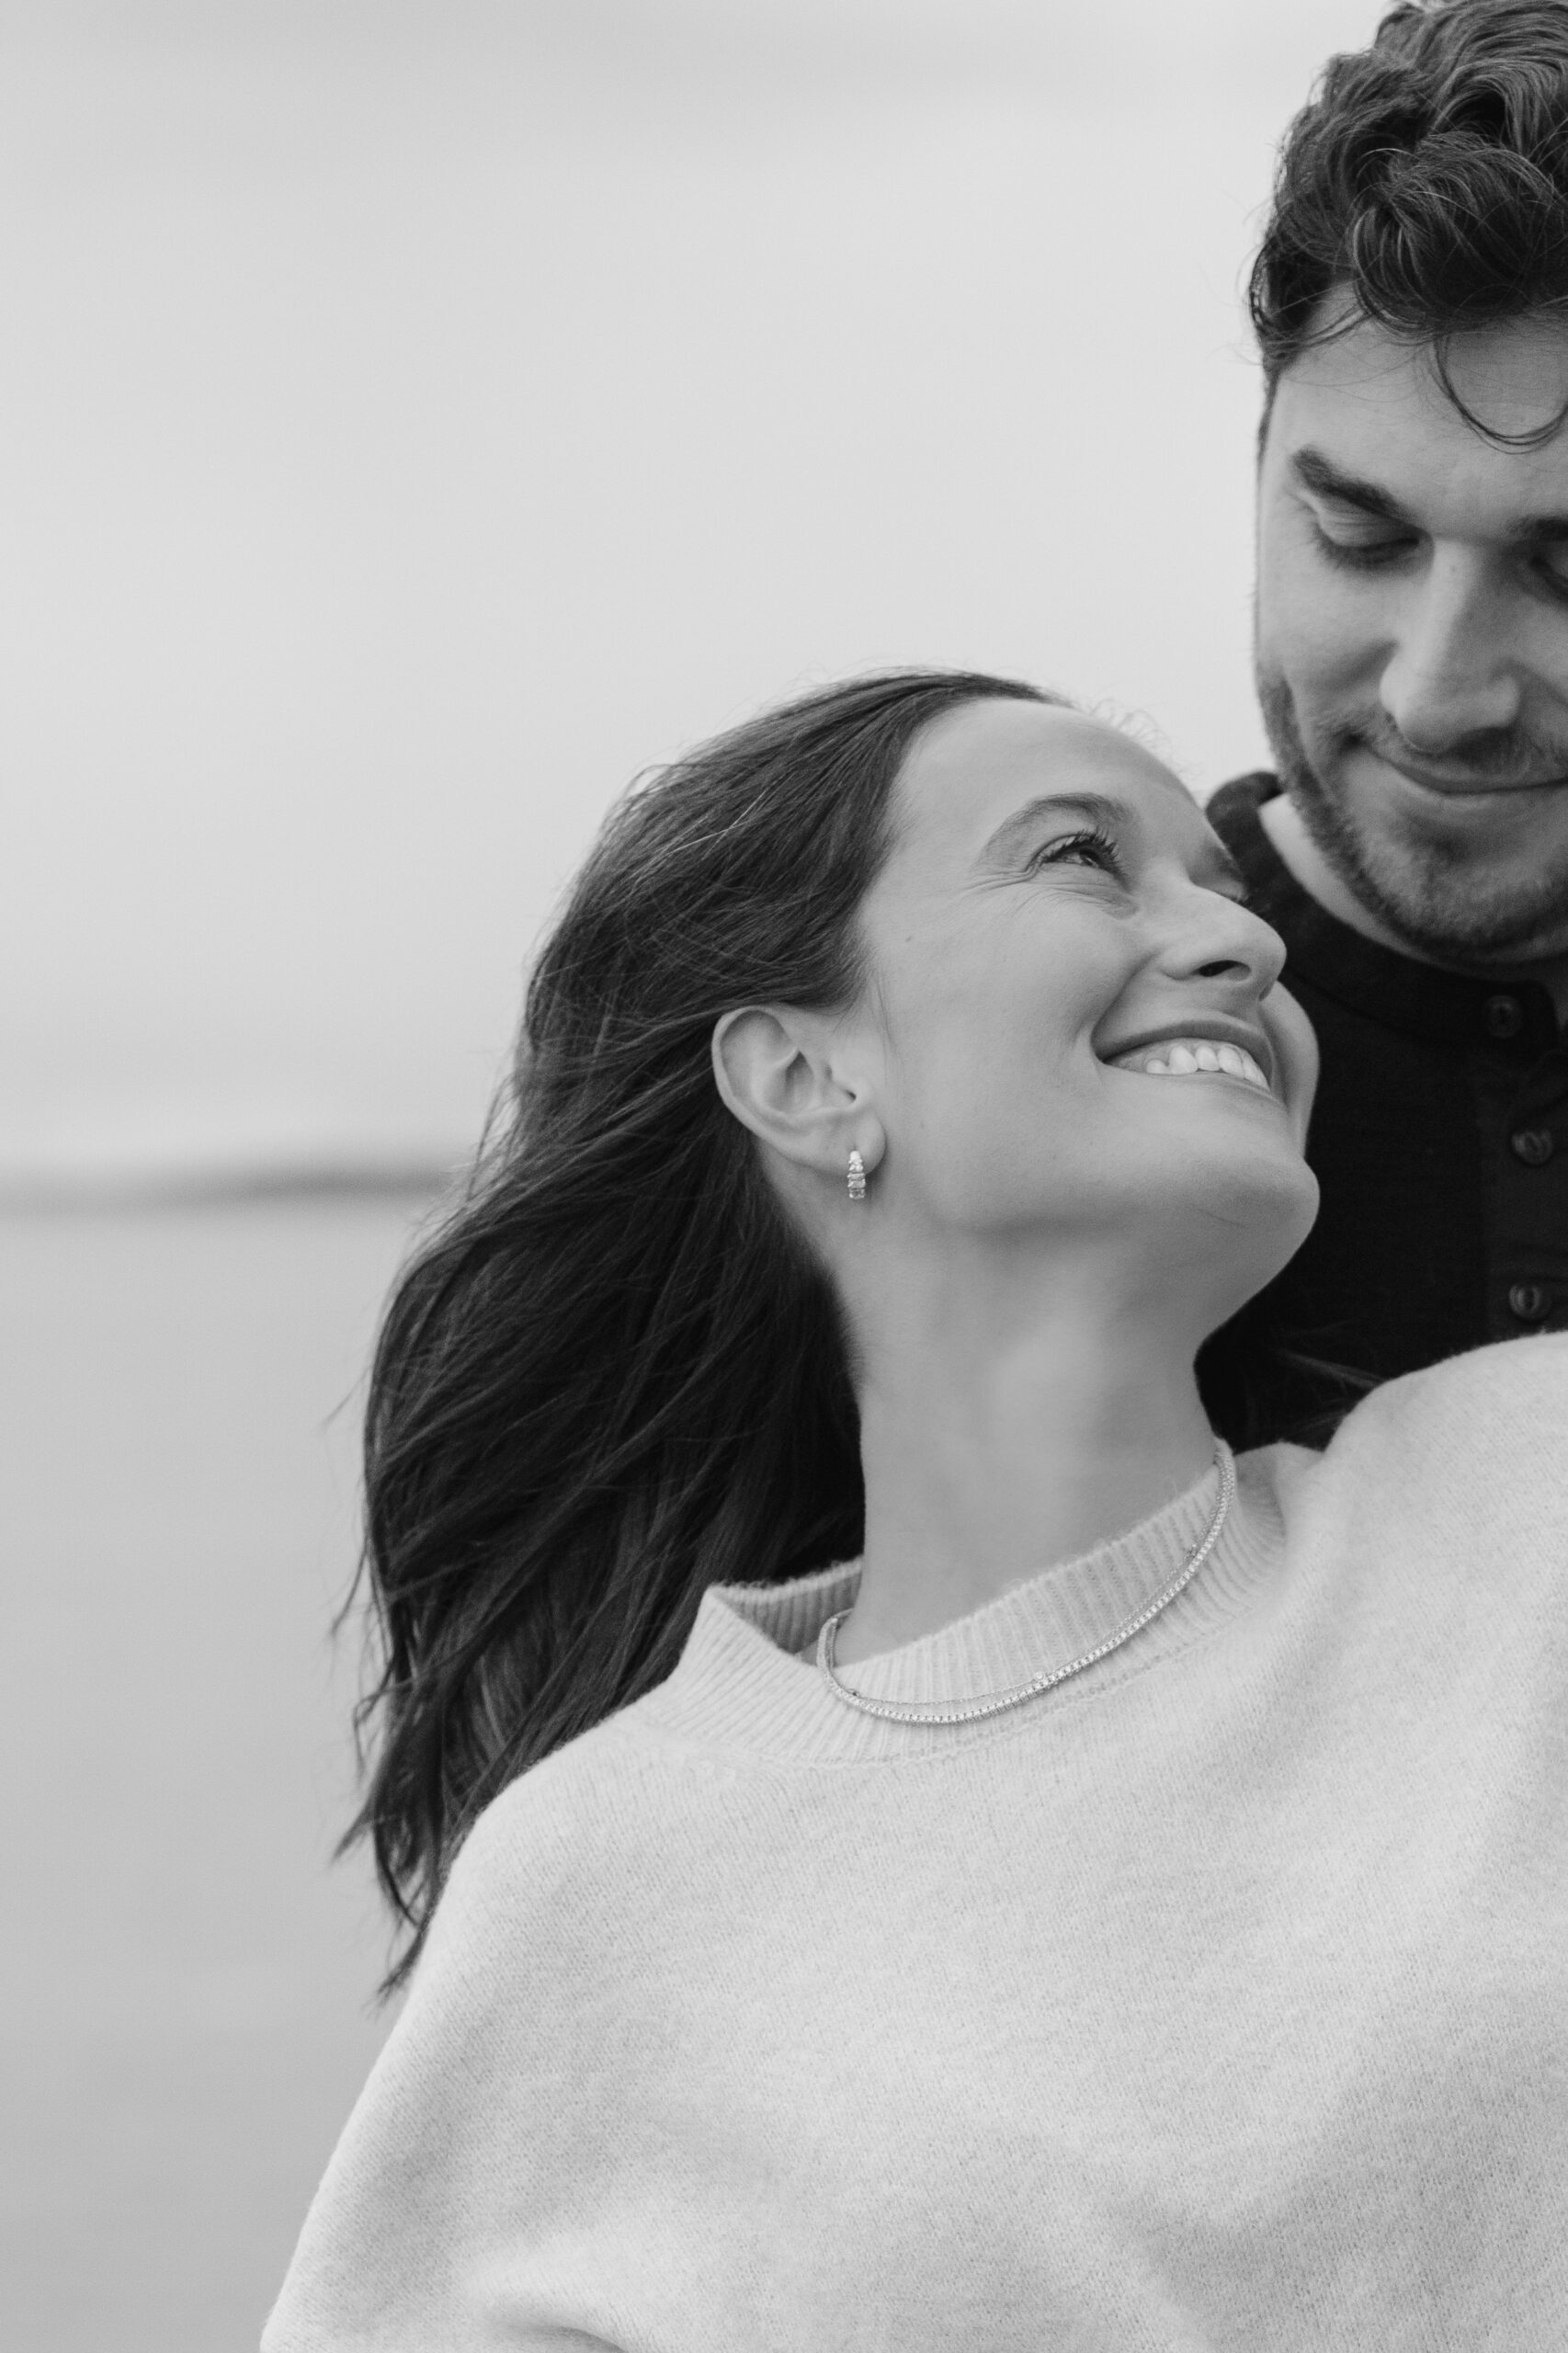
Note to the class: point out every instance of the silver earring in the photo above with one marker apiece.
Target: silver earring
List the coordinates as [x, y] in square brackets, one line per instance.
[857, 1177]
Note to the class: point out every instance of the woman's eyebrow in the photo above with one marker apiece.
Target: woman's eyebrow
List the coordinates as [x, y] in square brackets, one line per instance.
[1013, 832]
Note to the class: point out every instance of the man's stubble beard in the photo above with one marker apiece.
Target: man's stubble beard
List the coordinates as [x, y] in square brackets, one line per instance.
[1428, 893]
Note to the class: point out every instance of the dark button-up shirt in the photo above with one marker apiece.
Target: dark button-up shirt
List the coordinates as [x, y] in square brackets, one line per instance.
[1440, 1138]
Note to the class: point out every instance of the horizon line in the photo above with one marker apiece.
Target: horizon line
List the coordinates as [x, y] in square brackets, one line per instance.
[201, 1184]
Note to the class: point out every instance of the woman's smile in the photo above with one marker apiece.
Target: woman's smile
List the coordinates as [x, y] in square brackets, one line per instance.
[1199, 1048]
[1189, 1057]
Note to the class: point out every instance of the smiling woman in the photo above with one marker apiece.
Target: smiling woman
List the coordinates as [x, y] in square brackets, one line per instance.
[1019, 947]
[908, 1840]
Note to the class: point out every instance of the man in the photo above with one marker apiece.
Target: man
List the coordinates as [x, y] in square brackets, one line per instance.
[1410, 298]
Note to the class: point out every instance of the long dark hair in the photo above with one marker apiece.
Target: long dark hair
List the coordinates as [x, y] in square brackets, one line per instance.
[613, 1376]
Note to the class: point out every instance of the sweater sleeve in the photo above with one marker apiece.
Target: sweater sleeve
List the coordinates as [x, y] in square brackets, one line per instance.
[459, 2177]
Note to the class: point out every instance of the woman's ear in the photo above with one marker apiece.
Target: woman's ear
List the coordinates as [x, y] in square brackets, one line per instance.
[780, 1071]
[1295, 1045]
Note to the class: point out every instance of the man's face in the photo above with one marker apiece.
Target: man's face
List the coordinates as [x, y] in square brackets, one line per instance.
[1413, 633]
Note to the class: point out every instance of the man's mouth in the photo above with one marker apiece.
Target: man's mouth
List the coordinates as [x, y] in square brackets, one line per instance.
[1463, 786]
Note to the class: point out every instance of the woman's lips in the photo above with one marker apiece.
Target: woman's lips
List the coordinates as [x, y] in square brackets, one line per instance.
[1193, 1057]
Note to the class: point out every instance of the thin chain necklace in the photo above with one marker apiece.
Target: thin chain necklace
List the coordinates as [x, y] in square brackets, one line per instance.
[925, 1713]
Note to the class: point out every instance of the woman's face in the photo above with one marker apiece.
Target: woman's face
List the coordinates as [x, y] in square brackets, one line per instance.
[1075, 1023]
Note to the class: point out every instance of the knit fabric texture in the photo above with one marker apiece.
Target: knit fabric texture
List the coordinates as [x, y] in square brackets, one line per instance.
[1217, 1999]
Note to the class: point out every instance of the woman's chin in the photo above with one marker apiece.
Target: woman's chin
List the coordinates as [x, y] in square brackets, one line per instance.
[1242, 1218]
[1266, 1210]
[1245, 1174]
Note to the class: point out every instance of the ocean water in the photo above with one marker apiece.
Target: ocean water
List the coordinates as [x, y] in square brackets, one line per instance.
[187, 1979]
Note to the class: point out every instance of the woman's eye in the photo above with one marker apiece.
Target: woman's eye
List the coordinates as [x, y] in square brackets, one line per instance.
[1087, 848]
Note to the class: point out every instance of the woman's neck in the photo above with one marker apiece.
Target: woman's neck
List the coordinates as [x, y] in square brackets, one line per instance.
[1000, 1434]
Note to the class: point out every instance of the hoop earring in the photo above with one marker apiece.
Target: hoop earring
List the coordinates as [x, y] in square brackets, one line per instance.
[857, 1177]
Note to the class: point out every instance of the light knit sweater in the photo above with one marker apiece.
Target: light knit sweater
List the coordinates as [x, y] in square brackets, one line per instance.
[1217, 1999]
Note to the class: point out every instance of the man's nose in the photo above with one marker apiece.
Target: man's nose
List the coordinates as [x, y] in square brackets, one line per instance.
[1449, 674]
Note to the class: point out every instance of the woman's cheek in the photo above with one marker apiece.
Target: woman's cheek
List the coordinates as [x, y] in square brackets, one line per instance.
[1295, 1045]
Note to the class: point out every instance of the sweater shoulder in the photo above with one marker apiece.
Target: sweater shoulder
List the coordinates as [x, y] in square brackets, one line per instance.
[565, 1817]
[1506, 1404]
[522, 2016]
[1462, 1461]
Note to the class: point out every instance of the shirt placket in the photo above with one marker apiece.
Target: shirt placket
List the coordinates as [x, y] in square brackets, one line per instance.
[1522, 1105]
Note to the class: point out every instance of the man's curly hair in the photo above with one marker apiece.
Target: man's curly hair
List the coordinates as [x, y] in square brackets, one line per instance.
[1424, 187]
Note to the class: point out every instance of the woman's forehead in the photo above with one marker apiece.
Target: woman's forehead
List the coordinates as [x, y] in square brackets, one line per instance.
[972, 769]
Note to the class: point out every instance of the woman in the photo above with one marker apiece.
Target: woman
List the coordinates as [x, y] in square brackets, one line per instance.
[960, 1859]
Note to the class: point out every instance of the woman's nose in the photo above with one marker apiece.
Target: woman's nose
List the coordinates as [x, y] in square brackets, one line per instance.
[1220, 939]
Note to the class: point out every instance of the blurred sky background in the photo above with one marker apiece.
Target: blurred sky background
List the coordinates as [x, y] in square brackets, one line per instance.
[420, 415]
[416, 416]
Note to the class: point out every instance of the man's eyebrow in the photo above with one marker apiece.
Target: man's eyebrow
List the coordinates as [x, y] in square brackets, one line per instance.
[1322, 477]
[1539, 530]
[1014, 831]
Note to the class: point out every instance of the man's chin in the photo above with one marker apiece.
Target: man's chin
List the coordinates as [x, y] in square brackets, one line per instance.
[1454, 899]
[1434, 872]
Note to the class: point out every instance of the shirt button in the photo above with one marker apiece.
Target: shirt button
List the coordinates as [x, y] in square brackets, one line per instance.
[1532, 1145]
[1529, 1301]
[1504, 1017]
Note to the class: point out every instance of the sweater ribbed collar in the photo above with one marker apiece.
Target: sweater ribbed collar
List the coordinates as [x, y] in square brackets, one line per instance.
[741, 1684]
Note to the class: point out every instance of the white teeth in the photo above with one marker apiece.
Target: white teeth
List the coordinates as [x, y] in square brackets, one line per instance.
[1181, 1057]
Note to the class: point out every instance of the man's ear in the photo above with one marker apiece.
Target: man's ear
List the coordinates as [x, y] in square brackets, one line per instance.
[778, 1071]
